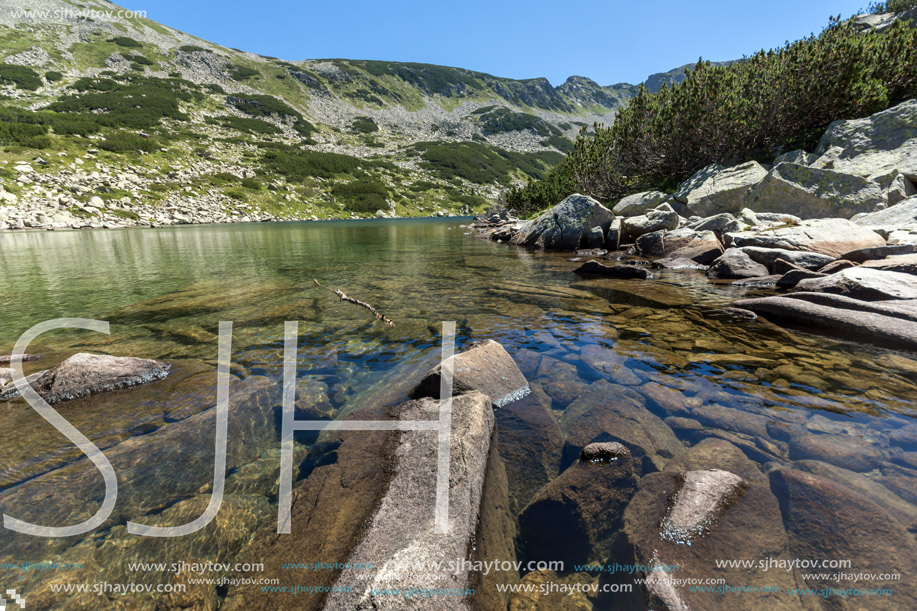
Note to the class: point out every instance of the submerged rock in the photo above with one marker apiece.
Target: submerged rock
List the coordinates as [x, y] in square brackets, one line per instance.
[402, 529]
[603, 452]
[699, 502]
[86, 374]
[624, 272]
[5, 359]
[575, 517]
[828, 520]
[486, 367]
[845, 451]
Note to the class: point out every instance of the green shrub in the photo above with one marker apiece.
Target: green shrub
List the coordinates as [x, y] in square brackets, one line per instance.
[480, 163]
[251, 183]
[140, 59]
[892, 6]
[269, 106]
[242, 73]
[22, 77]
[214, 88]
[236, 194]
[298, 164]
[138, 103]
[124, 41]
[53, 76]
[364, 125]
[242, 124]
[191, 48]
[123, 142]
[754, 109]
[362, 196]
[125, 214]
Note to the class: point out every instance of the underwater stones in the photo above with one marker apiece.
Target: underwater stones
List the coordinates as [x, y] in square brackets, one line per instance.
[485, 367]
[574, 518]
[734, 263]
[402, 528]
[699, 502]
[608, 412]
[750, 527]
[610, 364]
[825, 519]
[530, 443]
[666, 399]
[624, 272]
[845, 451]
[560, 380]
[86, 374]
[713, 453]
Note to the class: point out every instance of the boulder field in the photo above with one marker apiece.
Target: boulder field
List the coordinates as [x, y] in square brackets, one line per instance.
[840, 221]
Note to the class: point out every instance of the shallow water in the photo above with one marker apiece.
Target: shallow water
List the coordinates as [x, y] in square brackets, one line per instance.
[764, 389]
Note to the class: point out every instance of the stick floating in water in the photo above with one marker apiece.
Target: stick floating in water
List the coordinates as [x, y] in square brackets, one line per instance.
[344, 297]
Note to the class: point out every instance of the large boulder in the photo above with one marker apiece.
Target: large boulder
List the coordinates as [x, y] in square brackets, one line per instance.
[566, 225]
[903, 214]
[85, 374]
[814, 193]
[640, 203]
[734, 264]
[827, 236]
[654, 220]
[699, 246]
[881, 144]
[716, 189]
[864, 283]
[769, 257]
[486, 367]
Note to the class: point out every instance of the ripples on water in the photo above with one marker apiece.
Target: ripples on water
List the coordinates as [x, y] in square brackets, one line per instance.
[165, 291]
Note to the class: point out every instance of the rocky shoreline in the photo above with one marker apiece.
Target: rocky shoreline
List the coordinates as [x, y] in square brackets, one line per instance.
[834, 232]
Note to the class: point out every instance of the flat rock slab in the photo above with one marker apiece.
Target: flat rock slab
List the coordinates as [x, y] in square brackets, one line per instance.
[904, 264]
[701, 500]
[6, 359]
[400, 537]
[486, 367]
[864, 283]
[880, 252]
[878, 327]
[85, 374]
[624, 272]
[833, 237]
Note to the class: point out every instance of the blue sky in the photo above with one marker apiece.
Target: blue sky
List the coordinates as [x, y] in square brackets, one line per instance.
[608, 41]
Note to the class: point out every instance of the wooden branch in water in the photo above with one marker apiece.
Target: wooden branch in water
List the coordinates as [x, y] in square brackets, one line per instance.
[344, 297]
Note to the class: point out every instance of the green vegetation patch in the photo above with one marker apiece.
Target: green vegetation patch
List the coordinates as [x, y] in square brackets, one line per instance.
[269, 106]
[135, 102]
[361, 196]
[124, 142]
[21, 77]
[191, 48]
[242, 73]
[297, 164]
[243, 124]
[125, 41]
[480, 163]
[53, 76]
[364, 125]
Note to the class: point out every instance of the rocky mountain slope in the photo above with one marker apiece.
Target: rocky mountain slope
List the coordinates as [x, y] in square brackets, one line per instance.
[110, 118]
